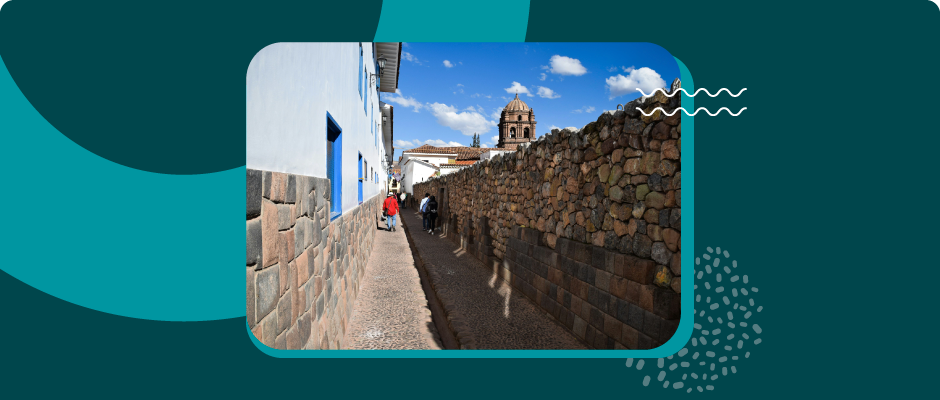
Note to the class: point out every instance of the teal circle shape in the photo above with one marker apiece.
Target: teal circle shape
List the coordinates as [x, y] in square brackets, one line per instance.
[112, 238]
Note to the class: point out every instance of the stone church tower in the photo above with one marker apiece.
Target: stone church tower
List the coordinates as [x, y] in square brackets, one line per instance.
[516, 125]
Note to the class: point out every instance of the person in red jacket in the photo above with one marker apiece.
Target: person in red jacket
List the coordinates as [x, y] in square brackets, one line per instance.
[390, 206]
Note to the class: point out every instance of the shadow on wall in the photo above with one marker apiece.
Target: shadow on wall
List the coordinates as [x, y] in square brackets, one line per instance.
[585, 222]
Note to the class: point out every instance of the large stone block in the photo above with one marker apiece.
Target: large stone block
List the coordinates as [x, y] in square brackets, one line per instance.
[278, 187]
[283, 314]
[269, 225]
[284, 217]
[253, 242]
[291, 188]
[315, 227]
[638, 270]
[293, 339]
[267, 288]
[652, 325]
[268, 330]
[253, 191]
[250, 297]
[285, 245]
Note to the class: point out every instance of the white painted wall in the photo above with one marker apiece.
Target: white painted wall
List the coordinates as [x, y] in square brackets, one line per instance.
[415, 172]
[436, 159]
[290, 88]
[450, 170]
[493, 153]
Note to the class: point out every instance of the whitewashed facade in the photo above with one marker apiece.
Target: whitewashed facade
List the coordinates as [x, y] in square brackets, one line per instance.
[298, 92]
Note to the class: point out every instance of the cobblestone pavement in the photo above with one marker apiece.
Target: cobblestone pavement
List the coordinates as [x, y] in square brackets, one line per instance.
[496, 316]
[391, 311]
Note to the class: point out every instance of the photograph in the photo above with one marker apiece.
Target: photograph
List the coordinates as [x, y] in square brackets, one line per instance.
[463, 196]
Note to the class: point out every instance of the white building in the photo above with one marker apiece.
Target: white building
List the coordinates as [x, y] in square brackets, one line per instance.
[416, 170]
[313, 109]
[490, 153]
[444, 160]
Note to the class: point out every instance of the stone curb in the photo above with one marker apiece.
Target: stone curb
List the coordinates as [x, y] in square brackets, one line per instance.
[455, 321]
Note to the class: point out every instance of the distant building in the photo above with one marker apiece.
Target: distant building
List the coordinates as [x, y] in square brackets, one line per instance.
[490, 153]
[422, 163]
[516, 124]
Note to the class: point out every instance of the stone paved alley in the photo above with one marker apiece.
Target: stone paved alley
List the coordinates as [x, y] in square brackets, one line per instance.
[391, 311]
[491, 314]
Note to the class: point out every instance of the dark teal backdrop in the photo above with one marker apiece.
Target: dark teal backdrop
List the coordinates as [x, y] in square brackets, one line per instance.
[822, 190]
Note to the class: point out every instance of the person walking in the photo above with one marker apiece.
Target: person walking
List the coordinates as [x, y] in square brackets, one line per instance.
[432, 214]
[402, 202]
[390, 207]
[422, 208]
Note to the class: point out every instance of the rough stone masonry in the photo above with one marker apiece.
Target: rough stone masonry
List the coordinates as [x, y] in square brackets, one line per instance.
[586, 223]
[303, 270]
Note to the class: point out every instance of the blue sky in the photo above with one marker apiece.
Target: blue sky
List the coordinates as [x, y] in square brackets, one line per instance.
[448, 91]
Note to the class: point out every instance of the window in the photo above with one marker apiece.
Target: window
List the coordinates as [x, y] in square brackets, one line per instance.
[362, 169]
[519, 118]
[512, 133]
[334, 165]
[525, 133]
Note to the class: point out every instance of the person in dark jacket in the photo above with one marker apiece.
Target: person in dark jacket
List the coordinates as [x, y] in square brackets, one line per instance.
[432, 214]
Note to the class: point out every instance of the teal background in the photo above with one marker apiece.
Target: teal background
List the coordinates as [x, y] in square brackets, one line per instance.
[821, 190]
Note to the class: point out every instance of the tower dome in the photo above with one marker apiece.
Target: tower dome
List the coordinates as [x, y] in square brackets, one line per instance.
[516, 124]
[517, 105]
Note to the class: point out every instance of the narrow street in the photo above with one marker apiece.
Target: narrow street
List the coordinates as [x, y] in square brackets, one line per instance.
[391, 311]
[492, 315]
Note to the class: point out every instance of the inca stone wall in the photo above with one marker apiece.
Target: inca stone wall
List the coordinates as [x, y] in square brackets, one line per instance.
[586, 223]
[303, 271]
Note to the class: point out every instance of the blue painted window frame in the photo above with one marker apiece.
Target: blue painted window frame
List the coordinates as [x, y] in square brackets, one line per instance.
[360, 177]
[334, 165]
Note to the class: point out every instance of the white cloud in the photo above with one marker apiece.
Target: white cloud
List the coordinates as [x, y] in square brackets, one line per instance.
[441, 143]
[467, 122]
[542, 78]
[562, 65]
[643, 78]
[553, 127]
[493, 142]
[585, 109]
[628, 70]
[410, 57]
[547, 93]
[518, 88]
[612, 69]
[459, 84]
[448, 64]
[405, 45]
[408, 102]
[410, 144]
[498, 112]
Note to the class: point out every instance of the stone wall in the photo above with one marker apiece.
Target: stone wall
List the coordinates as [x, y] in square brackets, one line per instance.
[586, 223]
[303, 271]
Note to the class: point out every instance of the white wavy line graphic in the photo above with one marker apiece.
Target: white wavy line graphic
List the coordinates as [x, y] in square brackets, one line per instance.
[692, 114]
[693, 94]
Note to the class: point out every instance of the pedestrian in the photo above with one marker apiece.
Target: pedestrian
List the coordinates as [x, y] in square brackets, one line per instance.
[432, 213]
[390, 209]
[402, 202]
[424, 214]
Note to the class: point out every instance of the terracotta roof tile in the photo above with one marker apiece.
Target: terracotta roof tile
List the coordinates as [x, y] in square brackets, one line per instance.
[463, 153]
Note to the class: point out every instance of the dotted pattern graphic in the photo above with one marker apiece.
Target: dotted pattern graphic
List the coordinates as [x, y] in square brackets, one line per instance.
[726, 328]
